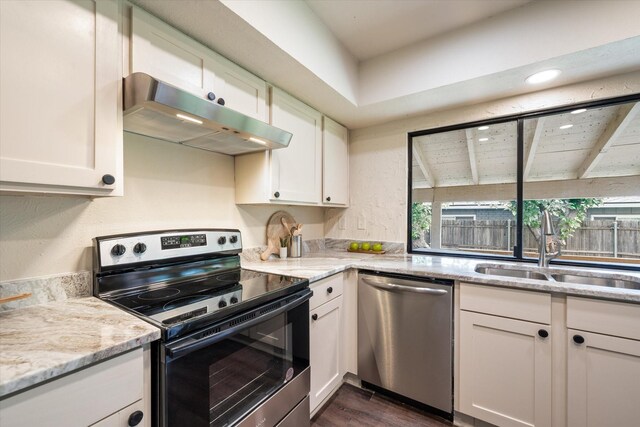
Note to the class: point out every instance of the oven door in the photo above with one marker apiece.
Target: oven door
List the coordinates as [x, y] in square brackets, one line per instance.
[253, 365]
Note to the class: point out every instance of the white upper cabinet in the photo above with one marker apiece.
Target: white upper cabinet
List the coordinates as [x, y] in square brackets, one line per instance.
[60, 97]
[335, 164]
[296, 171]
[313, 170]
[168, 55]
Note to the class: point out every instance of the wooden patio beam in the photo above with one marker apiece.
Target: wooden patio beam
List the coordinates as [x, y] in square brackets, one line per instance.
[423, 166]
[614, 129]
[471, 147]
[533, 147]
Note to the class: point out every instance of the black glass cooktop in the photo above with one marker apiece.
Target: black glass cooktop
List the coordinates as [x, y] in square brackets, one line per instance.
[179, 301]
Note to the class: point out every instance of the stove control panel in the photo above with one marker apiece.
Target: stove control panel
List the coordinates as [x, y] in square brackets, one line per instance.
[157, 246]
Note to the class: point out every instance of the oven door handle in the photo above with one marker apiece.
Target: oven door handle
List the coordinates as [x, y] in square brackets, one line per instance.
[191, 344]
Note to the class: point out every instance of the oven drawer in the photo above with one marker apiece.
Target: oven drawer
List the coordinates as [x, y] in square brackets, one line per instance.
[326, 289]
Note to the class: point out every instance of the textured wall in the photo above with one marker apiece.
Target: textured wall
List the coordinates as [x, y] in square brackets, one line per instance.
[378, 156]
[166, 186]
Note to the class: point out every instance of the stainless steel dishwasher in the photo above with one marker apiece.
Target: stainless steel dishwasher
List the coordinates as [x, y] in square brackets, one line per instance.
[405, 337]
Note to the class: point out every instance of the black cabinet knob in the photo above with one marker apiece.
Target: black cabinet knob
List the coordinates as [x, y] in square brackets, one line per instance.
[135, 418]
[221, 101]
[329, 289]
[118, 250]
[578, 339]
[314, 317]
[328, 199]
[108, 179]
[139, 248]
[543, 333]
[211, 96]
[276, 194]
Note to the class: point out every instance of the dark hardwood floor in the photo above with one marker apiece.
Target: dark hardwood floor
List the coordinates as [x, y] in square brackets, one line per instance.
[352, 406]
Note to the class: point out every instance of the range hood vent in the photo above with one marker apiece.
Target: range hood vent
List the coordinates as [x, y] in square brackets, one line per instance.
[159, 110]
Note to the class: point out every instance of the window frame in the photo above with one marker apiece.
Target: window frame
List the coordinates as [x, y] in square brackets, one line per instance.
[519, 118]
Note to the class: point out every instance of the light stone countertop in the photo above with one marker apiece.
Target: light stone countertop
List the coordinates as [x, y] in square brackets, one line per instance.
[43, 341]
[318, 265]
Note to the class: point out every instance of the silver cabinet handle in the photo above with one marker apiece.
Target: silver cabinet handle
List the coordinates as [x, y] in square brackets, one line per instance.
[402, 288]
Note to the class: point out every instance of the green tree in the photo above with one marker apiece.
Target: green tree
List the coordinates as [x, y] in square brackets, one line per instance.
[569, 214]
[420, 222]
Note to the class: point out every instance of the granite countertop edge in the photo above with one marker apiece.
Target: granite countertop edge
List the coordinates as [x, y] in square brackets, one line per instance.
[45, 341]
[319, 265]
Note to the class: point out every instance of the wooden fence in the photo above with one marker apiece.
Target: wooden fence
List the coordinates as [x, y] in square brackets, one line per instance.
[618, 239]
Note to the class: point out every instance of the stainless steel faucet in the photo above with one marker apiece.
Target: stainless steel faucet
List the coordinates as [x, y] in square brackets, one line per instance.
[549, 242]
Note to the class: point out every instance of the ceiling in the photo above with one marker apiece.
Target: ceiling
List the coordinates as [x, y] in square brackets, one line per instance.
[596, 143]
[372, 28]
[368, 62]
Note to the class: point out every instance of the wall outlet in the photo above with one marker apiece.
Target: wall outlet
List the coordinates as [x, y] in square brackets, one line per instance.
[342, 223]
[362, 222]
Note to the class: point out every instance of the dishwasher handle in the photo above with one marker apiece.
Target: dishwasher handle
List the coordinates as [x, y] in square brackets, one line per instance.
[402, 288]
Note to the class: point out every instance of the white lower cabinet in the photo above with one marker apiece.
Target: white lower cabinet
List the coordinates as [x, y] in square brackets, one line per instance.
[107, 393]
[603, 380]
[126, 417]
[326, 338]
[325, 350]
[505, 370]
[603, 363]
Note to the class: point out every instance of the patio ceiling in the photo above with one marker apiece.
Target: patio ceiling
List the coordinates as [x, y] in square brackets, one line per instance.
[596, 143]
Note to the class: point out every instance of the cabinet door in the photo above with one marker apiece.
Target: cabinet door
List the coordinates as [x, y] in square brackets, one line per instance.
[325, 345]
[241, 90]
[168, 55]
[335, 164]
[603, 381]
[505, 370]
[60, 96]
[296, 171]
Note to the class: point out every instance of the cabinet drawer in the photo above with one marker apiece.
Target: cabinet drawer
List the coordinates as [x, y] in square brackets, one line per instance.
[81, 398]
[513, 303]
[325, 290]
[605, 317]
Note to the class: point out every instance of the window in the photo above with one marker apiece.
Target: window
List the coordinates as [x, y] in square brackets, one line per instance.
[470, 184]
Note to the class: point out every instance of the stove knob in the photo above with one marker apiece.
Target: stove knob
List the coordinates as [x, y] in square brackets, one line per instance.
[139, 248]
[118, 250]
[222, 304]
[233, 239]
[234, 300]
[222, 240]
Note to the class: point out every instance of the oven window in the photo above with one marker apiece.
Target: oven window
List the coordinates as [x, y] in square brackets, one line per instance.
[219, 384]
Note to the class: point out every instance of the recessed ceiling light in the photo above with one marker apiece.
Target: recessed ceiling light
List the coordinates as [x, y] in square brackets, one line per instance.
[483, 139]
[483, 128]
[566, 126]
[581, 110]
[542, 76]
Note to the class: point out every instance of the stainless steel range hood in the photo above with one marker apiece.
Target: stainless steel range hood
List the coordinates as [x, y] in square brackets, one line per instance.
[159, 110]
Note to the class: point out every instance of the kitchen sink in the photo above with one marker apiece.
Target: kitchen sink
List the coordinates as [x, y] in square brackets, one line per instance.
[597, 281]
[596, 278]
[511, 272]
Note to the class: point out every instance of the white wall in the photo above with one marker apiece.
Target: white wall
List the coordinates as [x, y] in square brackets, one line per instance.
[531, 34]
[314, 46]
[378, 156]
[166, 186]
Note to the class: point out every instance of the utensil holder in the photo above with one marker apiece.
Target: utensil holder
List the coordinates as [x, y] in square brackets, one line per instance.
[295, 246]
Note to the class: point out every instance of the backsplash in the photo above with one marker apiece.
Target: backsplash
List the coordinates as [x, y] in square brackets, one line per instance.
[46, 289]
